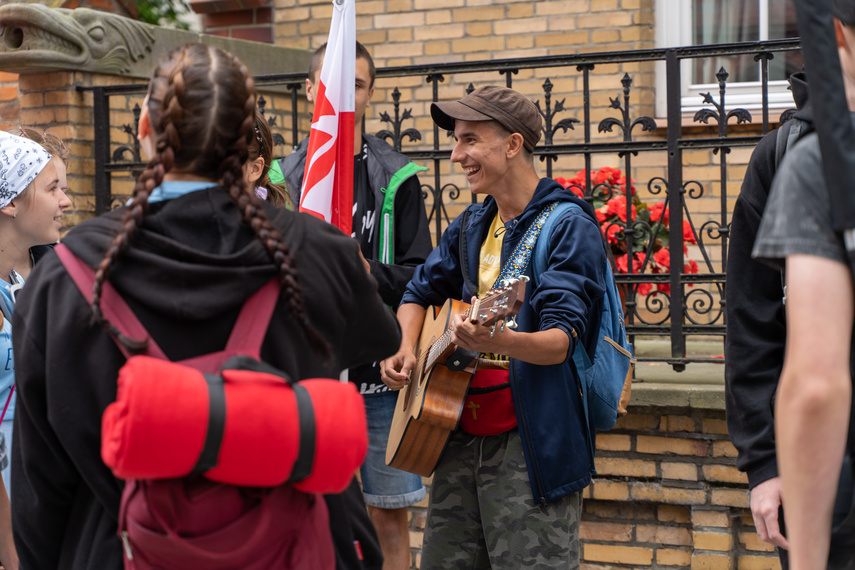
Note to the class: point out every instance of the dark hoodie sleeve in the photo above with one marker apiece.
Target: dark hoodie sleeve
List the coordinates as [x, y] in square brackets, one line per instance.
[412, 243]
[756, 326]
[439, 277]
[45, 479]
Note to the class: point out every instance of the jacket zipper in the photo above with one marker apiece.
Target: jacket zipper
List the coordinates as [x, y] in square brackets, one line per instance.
[386, 246]
[126, 543]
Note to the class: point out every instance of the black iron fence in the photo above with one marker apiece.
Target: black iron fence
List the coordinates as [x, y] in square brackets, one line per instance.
[666, 228]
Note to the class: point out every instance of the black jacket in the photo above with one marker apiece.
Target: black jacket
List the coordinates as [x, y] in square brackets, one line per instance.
[756, 324]
[186, 275]
[391, 176]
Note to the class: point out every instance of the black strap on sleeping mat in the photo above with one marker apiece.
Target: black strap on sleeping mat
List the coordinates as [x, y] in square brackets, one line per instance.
[216, 424]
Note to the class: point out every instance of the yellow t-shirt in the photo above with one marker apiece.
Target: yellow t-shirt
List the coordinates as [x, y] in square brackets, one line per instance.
[490, 263]
[489, 267]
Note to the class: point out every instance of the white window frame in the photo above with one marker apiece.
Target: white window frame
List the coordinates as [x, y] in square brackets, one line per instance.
[674, 29]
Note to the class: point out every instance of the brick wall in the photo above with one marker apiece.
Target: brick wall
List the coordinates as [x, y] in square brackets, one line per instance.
[667, 495]
[10, 106]
[52, 101]
[239, 19]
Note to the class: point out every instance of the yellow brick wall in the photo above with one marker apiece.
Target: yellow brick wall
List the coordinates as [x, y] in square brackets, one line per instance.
[667, 494]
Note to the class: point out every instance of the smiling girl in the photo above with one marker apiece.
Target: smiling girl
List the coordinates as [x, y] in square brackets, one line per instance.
[32, 200]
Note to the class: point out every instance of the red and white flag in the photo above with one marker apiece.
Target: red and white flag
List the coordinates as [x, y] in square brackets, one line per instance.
[328, 181]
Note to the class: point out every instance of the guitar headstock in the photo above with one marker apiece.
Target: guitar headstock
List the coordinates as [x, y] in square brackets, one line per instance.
[499, 303]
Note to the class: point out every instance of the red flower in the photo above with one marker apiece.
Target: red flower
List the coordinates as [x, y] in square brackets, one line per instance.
[610, 232]
[688, 234]
[644, 288]
[577, 190]
[602, 214]
[664, 287]
[620, 263]
[617, 207]
[663, 258]
[690, 267]
[658, 210]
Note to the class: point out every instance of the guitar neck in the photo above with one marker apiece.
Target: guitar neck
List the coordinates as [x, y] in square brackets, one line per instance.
[442, 347]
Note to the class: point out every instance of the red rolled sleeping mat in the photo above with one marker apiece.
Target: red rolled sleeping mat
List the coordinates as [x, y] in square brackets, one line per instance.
[158, 425]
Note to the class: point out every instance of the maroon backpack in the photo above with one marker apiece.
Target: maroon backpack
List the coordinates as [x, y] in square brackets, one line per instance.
[193, 522]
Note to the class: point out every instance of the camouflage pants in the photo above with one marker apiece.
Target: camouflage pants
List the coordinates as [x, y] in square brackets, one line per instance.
[482, 514]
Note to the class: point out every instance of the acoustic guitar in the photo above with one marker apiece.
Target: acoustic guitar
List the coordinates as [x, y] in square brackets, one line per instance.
[429, 407]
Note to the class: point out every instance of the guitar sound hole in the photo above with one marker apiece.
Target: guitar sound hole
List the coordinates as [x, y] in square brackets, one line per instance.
[406, 398]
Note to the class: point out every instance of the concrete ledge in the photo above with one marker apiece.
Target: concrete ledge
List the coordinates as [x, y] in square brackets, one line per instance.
[695, 396]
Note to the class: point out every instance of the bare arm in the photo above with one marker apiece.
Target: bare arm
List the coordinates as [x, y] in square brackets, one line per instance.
[8, 554]
[814, 397]
[395, 369]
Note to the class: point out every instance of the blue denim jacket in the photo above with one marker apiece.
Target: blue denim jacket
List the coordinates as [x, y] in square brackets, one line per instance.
[569, 295]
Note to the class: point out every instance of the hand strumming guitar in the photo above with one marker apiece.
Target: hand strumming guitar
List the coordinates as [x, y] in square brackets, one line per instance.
[395, 370]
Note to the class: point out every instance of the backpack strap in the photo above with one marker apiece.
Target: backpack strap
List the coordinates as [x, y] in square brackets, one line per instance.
[250, 328]
[540, 257]
[114, 307]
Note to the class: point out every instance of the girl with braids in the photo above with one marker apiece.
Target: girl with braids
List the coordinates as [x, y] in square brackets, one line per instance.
[257, 171]
[193, 245]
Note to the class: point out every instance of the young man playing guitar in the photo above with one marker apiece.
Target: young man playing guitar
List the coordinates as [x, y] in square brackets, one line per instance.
[509, 498]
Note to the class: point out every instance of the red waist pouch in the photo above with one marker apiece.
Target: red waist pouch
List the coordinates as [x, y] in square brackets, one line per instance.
[157, 427]
[489, 407]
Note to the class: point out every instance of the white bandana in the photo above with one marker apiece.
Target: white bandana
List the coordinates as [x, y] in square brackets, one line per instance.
[21, 160]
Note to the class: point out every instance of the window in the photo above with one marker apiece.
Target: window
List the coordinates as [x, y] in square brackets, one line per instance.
[703, 22]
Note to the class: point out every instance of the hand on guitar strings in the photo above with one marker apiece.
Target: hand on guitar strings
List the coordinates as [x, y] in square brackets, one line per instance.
[395, 370]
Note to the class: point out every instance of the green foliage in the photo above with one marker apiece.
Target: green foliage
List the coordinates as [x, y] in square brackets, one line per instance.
[167, 13]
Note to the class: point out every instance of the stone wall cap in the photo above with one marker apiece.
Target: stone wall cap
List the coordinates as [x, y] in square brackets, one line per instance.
[35, 39]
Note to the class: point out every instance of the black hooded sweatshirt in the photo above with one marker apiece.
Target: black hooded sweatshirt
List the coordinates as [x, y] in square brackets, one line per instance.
[756, 324]
[186, 275]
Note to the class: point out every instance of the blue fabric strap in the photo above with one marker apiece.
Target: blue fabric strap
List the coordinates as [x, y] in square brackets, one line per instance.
[518, 262]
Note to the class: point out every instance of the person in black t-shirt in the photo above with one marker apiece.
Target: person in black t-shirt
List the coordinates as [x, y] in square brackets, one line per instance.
[390, 224]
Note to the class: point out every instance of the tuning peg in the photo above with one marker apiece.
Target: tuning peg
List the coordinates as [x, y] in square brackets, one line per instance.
[524, 278]
[493, 330]
[512, 323]
[503, 327]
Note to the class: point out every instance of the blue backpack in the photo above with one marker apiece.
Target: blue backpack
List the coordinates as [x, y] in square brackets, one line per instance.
[605, 382]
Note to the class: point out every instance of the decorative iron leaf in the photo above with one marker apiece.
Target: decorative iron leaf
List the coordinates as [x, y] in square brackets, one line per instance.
[742, 116]
[278, 139]
[407, 114]
[615, 103]
[647, 123]
[384, 116]
[704, 116]
[565, 124]
[607, 124]
[708, 99]
[119, 154]
[413, 134]
[385, 134]
[559, 106]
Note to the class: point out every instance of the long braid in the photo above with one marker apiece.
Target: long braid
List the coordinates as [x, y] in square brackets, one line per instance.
[252, 212]
[162, 162]
[200, 142]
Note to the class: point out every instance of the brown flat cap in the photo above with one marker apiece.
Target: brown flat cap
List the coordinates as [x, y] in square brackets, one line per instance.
[511, 109]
